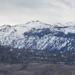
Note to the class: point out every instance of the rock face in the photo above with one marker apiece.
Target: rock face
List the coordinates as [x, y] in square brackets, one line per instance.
[36, 35]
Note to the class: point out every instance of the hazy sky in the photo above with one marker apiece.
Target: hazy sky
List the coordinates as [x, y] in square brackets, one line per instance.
[49, 11]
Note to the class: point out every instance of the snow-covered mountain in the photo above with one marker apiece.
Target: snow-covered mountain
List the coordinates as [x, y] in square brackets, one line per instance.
[39, 36]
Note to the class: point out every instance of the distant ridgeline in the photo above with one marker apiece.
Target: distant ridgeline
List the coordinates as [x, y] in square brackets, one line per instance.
[13, 56]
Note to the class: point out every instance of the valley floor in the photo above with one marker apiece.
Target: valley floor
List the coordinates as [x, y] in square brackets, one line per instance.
[36, 69]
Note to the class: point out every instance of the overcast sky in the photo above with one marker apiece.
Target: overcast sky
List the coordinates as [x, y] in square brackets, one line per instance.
[48, 11]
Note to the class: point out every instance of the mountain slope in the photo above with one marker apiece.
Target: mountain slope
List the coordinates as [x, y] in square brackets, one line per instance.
[36, 35]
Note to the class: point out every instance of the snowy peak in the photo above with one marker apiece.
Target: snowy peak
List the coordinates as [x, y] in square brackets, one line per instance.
[35, 24]
[22, 28]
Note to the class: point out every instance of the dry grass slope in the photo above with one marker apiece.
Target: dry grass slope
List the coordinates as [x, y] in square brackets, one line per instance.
[36, 69]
